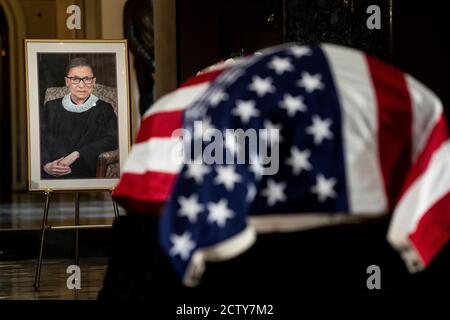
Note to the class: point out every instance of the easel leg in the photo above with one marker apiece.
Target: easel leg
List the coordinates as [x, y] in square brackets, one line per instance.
[116, 208]
[77, 223]
[43, 231]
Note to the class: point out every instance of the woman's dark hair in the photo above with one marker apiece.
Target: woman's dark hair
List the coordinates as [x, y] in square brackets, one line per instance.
[79, 62]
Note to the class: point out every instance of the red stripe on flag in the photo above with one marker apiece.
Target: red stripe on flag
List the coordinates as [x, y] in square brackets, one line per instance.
[160, 125]
[432, 232]
[204, 77]
[438, 136]
[394, 126]
[149, 187]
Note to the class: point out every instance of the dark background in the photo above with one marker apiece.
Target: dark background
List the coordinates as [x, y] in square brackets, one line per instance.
[327, 263]
[416, 41]
[5, 112]
[421, 44]
[52, 69]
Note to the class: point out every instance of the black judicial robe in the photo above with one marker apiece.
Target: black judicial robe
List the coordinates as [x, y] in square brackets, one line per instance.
[91, 133]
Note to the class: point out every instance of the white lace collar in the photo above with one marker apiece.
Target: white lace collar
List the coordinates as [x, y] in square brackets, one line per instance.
[72, 107]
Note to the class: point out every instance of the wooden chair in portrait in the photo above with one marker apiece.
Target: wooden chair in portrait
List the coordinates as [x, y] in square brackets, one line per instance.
[108, 162]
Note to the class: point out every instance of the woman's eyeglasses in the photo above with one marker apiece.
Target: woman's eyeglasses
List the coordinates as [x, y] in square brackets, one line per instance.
[77, 80]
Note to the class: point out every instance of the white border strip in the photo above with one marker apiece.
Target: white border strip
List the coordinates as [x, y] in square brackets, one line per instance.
[359, 124]
[225, 250]
[299, 222]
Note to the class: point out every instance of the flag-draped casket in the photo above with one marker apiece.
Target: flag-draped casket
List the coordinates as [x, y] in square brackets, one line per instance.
[347, 137]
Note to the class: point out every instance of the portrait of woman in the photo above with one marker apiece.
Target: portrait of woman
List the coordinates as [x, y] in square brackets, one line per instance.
[77, 128]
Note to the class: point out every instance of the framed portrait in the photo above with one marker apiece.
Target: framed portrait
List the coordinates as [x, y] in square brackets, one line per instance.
[78, 113]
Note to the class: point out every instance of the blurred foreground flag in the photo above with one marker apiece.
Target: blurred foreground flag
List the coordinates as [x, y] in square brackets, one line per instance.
[150, 172]
[330, 135]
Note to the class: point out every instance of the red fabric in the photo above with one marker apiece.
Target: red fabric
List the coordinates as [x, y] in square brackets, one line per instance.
[438, 136]
[394, 126]
[160, 125]
[202, 78]
[433, 231]
[148, 187]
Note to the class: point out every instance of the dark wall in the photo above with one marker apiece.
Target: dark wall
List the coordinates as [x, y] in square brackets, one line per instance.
[211, 30]
[5, 108]
[339, 22]
[416, 41]
[421, 44]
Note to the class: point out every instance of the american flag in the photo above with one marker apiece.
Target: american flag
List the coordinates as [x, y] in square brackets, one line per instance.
[150, 171]
[358, 138]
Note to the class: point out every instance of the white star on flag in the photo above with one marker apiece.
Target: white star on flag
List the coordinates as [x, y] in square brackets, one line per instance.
[206, 129]
[311, 82]
[299, 160]
[256, 166]
[320, 129]
[197, 170]
[292, 104]
[273, 133]
[217, 97]
[190, 207]
[245, 110]
[219, 212]
[182, 245]
[274, 192]
[227, 176]
[300, 51]
[251, 193]
[262, 86]
[324, 188]
[232, 142]
[280, 65]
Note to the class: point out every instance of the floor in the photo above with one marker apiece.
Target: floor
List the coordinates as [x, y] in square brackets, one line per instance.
[17, 279]
[24, 210]
[20, 214]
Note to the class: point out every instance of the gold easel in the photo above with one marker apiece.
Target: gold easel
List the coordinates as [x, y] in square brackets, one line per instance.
[76, 227]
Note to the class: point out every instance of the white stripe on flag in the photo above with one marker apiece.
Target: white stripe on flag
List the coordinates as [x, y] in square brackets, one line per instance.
[427, 189]
[427, 108]
[156, 154]
[179, 99]
[359, 122]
